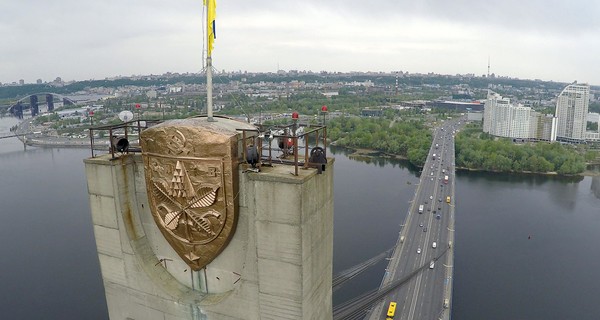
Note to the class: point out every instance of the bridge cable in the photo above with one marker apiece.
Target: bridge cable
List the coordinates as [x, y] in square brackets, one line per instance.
[348, 274]
[348, 309]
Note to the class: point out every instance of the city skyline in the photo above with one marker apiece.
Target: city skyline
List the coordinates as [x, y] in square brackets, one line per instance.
[79, 40]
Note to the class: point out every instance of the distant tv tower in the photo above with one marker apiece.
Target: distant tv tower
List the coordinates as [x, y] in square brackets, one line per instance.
[488, 67]
[396, 82]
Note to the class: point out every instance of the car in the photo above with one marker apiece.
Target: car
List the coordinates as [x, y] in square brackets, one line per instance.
[439, 208]
[431, 178]
[419, 250]
[421, 225]
[431, 264]
[426, 202]
[434, 245]
[425, 229]
[440, 200]
[432, 173]
[430, 197]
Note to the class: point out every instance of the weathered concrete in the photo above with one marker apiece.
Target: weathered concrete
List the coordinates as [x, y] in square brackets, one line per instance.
[277, 266]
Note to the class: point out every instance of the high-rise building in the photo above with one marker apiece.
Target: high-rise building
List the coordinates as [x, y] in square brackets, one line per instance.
[542, 127]
[503, 119]
[571, 111]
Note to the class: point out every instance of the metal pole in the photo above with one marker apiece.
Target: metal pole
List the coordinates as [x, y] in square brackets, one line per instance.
[270, 141]
[92, 142]
[126, 137]
[325, 141]
[305, 152]
[112, 150]
[295, 154]
[243, 145]
[209, 85]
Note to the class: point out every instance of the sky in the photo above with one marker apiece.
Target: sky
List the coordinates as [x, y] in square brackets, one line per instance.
[85, 39]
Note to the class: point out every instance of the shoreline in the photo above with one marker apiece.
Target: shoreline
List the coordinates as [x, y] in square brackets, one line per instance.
[46, 141]
[370, 153]
[362, 152]
[60, 142]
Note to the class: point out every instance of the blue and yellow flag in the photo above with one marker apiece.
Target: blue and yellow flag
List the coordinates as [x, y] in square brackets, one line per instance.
[211, 15]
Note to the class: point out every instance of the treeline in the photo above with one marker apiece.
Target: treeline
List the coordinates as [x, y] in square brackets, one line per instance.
[409, 139]
[310, 103]
[477, 150]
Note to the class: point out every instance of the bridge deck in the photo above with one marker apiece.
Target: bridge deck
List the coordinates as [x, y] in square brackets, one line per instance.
[426, 292]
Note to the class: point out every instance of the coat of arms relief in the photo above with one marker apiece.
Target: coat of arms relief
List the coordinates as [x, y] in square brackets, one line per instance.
[190, 183]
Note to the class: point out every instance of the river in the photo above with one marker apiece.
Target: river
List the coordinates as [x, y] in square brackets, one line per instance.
[525, 246]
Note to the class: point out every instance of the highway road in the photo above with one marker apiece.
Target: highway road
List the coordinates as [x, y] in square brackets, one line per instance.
[423, 297]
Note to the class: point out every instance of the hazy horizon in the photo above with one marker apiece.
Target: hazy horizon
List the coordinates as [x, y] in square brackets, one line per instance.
[546, 40]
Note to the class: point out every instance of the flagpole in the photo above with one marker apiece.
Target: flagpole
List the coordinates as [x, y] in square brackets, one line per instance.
[209, 83]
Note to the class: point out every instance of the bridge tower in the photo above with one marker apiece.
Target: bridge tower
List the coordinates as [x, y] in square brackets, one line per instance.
[185, 230]
[33, 103]
[50, 102]
[18, 110]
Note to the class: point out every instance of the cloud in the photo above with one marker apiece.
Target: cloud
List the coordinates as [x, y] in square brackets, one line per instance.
[542, 16]
[82, 39]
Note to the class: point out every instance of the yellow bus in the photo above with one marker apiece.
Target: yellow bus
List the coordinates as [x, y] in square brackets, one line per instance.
[391, 310]
[448, 199]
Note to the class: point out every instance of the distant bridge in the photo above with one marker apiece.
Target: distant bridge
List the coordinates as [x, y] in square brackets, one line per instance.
[18, 107]
[11, 135]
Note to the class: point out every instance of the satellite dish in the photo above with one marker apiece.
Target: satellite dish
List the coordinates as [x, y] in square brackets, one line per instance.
[126, 115]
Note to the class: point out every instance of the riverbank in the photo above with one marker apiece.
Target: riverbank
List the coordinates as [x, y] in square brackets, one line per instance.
[370, 153]
[587, 173]
[374, 153]
[32, 135]
[55, 142]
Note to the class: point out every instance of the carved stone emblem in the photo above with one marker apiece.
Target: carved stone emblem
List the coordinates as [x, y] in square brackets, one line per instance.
[190, 175]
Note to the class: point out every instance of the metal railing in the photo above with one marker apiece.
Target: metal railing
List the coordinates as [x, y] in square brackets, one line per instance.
[288, 144]
[123, 130]
[288, 140]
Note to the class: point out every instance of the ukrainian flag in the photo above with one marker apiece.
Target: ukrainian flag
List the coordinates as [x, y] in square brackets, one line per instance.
[211, 15]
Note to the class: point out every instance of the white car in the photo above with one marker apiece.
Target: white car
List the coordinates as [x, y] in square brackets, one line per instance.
[434, 245]
[431, 264]
[430, 197]
[419, 250]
